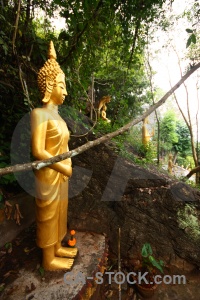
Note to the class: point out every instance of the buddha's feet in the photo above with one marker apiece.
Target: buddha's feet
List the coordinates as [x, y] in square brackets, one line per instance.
[66, 252]
[58, 263]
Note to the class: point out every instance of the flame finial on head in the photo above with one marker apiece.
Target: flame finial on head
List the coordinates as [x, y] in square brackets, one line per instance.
[52, 52]
[47, 74]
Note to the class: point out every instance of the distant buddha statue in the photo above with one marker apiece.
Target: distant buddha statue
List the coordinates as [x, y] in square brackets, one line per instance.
[102, 108]
[103, 114]
[146, 136]
[170, 164]
[49, 138]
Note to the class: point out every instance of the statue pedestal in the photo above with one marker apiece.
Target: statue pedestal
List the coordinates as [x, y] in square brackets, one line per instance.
[79, 284]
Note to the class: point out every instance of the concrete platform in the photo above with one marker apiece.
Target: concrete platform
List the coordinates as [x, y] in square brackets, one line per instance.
[55, 285]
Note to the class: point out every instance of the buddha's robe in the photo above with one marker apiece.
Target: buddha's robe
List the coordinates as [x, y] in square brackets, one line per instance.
[146, 136]
[51, 189]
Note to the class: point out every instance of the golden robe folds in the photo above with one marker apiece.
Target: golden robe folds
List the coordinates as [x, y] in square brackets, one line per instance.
[51, 189]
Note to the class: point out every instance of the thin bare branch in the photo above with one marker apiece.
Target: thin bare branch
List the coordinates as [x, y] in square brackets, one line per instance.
[16, 26]
[150, 75]
[137, 26]
[7, 84]
[189, 122]
[36, 165]
[193, 171]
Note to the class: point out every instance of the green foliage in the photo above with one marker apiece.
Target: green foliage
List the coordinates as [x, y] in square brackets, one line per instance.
[106, 38]
[191, 39]
[103, 127]
[120, 142]
[41, 271]
[182, 147]
[188, 220]
[9, 178]
[193, 14]
[168, 134]
[8, 246]
[129, 145]
[2, 287]
[147, 152]
[144, 154]
[148, 261]
[186, 162]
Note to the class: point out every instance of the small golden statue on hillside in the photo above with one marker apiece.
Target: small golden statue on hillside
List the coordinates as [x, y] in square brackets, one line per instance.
[102, 108]
[146, 136]
[170, 164]
[50, 137]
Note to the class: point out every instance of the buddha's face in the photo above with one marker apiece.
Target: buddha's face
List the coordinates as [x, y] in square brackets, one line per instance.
[59, 90]
[108, 99]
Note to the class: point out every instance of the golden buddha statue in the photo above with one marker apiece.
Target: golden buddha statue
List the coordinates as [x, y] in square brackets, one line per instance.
[102, 108]
[146, 136]
[170, 164]
[50, 138]
[103, 114]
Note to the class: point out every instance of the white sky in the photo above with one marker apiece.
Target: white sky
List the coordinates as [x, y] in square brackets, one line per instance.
[165, 62]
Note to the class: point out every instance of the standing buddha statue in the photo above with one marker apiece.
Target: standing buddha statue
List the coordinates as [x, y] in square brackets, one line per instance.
[146, 136]
[170, 164]
[50, 137]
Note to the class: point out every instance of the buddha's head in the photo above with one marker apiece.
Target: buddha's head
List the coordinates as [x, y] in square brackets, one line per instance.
[106, 99]
[48, 74]
[146, 120]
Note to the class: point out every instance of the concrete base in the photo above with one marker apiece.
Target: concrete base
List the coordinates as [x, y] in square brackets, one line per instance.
[79, 284]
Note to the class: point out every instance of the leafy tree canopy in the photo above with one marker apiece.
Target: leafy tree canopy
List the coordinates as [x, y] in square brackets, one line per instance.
[168, 133]
[105, 38]
[183, 145]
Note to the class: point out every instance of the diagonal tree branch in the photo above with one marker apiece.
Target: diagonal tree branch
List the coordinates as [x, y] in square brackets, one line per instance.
[36, 165]
[193, 171]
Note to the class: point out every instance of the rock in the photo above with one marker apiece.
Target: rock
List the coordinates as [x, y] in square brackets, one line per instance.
[182, 264]
[61, 284]
[144, 203]
[8, 228]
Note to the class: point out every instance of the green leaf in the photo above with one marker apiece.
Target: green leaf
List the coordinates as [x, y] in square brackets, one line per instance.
[146, 250]
[193, 38]
[157, 265]
[8, 245]
[2, 287]
[63, 35]
[188, 42]
[41, 270]
[189, 30]
[151, 258]
[161, 262]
